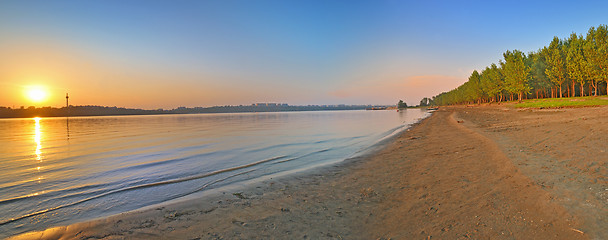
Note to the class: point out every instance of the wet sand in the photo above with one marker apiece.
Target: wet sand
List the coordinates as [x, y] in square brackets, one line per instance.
[464, 173]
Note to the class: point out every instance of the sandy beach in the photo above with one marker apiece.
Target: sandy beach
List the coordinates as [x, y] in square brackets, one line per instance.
[484, 172]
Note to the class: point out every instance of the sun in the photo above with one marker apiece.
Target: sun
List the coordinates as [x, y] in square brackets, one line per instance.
[36, 93]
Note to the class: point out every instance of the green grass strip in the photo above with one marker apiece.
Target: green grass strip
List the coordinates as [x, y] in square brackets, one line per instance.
[563, 102]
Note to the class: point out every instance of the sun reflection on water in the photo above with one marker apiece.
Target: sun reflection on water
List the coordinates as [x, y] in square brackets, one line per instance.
[38, 152]
[37, 136]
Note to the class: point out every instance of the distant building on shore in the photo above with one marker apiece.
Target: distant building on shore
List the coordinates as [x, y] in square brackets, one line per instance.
[269, 104]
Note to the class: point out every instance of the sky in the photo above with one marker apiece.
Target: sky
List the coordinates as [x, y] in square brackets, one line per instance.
[167, 54]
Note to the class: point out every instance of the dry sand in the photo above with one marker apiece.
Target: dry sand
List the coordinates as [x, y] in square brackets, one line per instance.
[490, 172]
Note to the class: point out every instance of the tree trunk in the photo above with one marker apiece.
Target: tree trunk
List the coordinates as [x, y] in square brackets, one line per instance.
[573, 91]
[560, 91]
[542, 92]
[594, 85]
[554, 92]
[519, 96]
[582, 90]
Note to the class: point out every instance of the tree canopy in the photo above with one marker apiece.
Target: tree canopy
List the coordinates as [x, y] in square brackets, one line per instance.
[401, 104]
[574, 66]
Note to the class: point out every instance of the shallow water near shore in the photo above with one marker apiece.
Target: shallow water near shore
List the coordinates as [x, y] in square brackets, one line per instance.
[58, 171]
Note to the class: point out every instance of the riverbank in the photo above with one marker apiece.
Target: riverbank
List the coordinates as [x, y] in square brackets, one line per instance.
[90, 111]
[461, 173]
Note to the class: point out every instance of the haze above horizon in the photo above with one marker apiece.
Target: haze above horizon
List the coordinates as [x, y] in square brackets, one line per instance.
[157, 54]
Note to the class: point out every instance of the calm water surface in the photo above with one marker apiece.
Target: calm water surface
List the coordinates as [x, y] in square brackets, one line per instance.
[58, 171]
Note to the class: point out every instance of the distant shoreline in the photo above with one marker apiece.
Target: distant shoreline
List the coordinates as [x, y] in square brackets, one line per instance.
[84, 111]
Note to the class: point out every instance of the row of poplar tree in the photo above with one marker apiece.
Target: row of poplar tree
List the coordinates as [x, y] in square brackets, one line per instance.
[576, 66]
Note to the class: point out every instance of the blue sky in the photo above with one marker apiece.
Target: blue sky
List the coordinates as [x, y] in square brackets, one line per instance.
[153, 54]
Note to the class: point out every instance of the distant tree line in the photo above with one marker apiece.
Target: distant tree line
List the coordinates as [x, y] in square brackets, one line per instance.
[575, 66]
[6, 112]
[425, 102]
